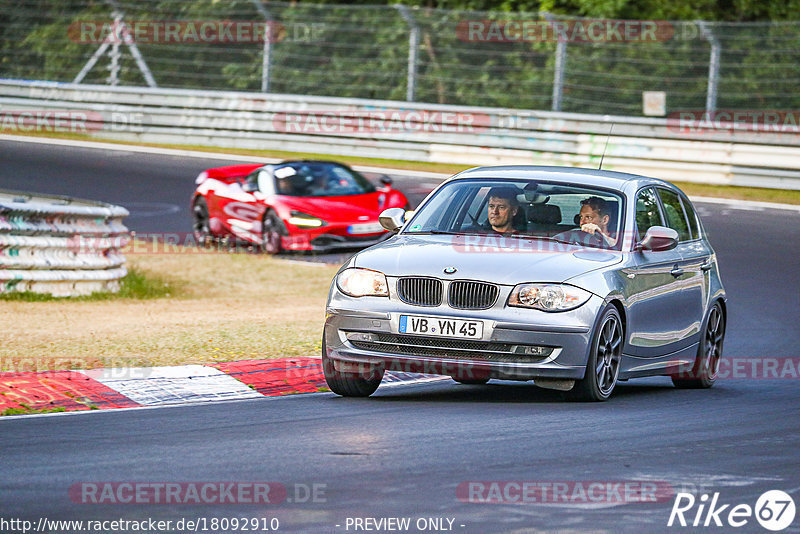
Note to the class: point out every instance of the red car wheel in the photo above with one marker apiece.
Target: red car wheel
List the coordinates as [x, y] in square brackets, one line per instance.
[271, 230]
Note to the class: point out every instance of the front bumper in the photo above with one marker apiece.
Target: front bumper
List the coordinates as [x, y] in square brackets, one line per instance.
[496, 355]
[329, 238]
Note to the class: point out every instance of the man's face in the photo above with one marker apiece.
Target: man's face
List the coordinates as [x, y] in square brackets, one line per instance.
[589, 215]
[501, 212]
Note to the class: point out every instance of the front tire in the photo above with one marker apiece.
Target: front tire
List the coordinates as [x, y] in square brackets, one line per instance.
[471, 381]
[706, 363]
[271, 230]
[349, 384]
[602, 368]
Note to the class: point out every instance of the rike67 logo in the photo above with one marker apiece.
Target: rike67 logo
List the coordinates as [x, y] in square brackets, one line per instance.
[774, 510]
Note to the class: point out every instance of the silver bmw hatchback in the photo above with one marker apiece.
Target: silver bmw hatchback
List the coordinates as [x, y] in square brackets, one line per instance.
[573, 278]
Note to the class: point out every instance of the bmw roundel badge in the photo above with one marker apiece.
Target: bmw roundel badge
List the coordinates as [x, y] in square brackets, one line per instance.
[449, 270]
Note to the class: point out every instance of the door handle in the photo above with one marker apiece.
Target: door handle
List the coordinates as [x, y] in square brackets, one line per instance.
[706, 266]
[676, 272]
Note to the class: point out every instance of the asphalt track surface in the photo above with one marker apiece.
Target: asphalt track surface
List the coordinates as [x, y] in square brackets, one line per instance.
[405, 451]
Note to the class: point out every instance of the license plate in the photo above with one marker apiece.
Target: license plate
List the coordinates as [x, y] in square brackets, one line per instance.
[439, 327]
[365, 228]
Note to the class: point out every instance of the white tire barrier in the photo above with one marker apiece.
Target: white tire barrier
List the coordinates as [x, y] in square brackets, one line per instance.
[59, 245]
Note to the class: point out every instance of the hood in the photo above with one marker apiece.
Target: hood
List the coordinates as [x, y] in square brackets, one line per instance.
[349, 208]
[508, 261]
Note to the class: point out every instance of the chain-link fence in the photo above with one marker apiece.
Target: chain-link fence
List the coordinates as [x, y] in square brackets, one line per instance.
[516, 60]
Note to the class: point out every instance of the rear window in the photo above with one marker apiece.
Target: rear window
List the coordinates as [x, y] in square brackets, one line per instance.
[692, 216]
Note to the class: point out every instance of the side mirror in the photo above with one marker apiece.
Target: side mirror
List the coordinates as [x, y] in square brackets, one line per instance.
[393, 219]
[386, 180]
[249, 187]
[657, 239]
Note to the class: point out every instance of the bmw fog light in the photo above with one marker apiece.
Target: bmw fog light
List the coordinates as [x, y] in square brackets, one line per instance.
[533, 350]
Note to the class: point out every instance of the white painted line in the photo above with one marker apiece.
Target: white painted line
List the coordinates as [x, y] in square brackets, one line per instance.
[140, 149]
[153, 386]
[198, 154]
[752, 205]
[362, 168]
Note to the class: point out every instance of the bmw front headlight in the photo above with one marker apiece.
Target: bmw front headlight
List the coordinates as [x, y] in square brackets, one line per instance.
[548, 297]
[357, 282]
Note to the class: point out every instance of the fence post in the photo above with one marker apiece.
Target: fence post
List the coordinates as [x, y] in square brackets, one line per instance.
[713, 66]
[561, 61]
[413, 49]
[266, 54]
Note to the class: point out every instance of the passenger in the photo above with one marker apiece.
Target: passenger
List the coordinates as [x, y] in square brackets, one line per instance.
[594, 218]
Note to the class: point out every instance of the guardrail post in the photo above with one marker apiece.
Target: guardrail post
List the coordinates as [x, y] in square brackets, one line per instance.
[713, 66]
[558, 74]
[413, 50]
[266, 54]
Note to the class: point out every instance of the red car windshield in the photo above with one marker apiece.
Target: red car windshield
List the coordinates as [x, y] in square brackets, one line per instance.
[319, 179]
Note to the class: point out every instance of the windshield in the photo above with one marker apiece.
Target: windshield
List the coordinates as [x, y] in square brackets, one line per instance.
[319, 179]
[523, 208]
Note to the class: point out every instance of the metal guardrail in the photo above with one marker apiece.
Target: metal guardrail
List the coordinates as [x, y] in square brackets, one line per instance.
[725, 153]
[59, 245]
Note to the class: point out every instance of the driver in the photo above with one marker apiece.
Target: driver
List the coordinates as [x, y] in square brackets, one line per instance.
[501, 209]
[594, 217]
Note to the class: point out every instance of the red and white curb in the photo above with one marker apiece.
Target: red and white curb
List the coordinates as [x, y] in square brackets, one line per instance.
[131, 387]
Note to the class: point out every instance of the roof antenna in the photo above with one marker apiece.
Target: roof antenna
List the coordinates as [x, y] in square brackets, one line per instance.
[600, 168]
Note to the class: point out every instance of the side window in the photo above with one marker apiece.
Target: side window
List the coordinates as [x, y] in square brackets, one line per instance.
[647, 212]
[692, 216]
[676, 218]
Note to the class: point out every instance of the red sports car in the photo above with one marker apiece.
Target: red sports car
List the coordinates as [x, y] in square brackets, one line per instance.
[294, 205]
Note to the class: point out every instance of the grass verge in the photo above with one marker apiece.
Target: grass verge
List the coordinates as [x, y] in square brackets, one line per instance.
[135, 285]
[785, 196]
[27, 410]
[179, 308]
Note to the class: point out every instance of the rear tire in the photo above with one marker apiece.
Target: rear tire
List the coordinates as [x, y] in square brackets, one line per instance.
[602, 368]
[706, 363]
[202, 226]
[349, 384]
